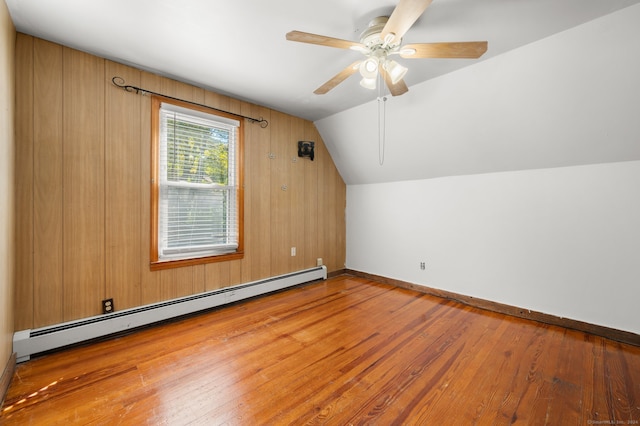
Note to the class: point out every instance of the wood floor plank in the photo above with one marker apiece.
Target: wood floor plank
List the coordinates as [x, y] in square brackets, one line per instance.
[468, 387]
[619, 383]
[342, 351]
[349, 352]
[384, 354]
[417, 375]
[599, 404]
[566, 404]
[534, 403]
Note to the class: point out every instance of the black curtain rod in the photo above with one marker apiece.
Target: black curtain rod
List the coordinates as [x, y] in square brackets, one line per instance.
[119, 82]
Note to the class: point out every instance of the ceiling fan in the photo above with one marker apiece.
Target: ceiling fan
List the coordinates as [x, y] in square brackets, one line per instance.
[383, 39]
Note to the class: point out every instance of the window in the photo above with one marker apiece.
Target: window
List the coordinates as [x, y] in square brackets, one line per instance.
[197, 197]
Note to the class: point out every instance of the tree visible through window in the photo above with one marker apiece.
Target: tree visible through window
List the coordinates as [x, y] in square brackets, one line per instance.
[197, 203]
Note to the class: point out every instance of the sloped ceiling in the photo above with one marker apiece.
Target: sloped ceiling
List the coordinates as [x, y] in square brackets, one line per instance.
[239, 48]
[570, 99]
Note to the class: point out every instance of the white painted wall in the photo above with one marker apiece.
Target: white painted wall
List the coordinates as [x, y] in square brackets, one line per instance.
[563, 241]
[516, 180]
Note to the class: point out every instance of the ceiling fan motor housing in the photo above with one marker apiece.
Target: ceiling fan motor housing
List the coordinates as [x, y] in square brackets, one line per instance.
[371, 36]
[377, 51]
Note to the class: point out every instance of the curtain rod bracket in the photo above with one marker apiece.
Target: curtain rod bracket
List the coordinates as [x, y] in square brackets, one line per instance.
[119, 82]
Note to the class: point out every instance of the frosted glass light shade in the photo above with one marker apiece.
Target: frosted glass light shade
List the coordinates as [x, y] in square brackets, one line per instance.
[368, 83]
[395, 70]
[369, 68]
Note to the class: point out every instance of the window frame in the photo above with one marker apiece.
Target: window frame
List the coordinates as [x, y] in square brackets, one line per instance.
[155, 262]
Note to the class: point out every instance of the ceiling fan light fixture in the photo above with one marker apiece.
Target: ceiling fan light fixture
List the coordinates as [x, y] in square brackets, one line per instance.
[368, 83]
[383, 38]
[395, 70]
[369, 68]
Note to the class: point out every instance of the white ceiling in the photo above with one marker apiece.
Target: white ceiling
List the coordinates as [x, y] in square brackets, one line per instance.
[239, 48]
[557, 87]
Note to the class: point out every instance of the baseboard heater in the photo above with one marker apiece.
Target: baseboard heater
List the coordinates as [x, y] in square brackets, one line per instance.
[30, 342]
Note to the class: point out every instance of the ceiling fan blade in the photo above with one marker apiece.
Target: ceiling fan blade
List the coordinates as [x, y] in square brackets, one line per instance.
[337, 79]
[395, 89]
[321, 40]
[403, 17]
[466, 49]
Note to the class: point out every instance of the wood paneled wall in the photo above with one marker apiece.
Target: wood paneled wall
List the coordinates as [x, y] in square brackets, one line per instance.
[7, 198]
[82, 177]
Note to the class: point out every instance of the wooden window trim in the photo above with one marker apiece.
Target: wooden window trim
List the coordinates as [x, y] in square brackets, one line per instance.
[156, 263]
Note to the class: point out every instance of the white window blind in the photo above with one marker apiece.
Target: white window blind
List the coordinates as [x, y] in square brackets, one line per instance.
[197, 204]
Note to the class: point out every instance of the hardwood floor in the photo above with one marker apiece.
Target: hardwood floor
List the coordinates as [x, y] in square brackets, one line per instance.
[343, 351]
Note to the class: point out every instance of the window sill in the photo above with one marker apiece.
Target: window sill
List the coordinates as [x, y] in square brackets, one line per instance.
[169, 264]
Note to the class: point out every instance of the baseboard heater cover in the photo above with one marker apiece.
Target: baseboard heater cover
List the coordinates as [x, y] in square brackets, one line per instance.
[29, 342]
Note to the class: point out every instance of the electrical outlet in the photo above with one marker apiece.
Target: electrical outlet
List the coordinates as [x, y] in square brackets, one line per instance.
[107, 306]
[319, 261]
[423, 265]
[293, 251]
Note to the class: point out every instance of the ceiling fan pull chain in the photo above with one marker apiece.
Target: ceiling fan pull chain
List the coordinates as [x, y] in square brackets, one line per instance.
[382, 103]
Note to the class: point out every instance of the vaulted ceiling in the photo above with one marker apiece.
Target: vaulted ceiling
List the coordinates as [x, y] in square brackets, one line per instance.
[239, 48]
